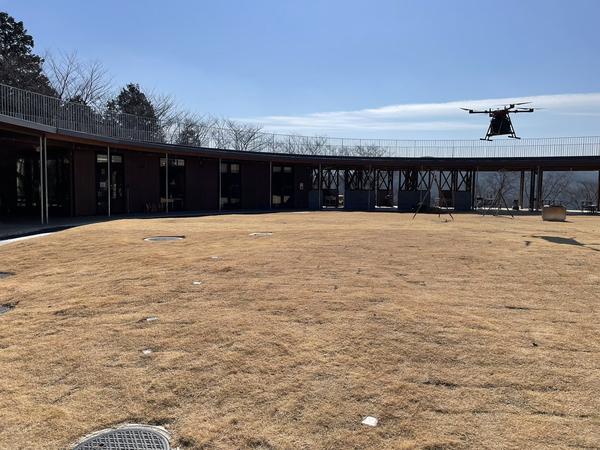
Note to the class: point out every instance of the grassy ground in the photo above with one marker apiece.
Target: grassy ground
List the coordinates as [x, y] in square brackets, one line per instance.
[479, 333]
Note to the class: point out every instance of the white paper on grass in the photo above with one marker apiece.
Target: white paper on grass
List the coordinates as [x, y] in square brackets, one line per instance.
[370, 421]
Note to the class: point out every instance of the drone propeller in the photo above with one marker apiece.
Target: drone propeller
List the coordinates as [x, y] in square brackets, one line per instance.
[510, 105]
[514, 105]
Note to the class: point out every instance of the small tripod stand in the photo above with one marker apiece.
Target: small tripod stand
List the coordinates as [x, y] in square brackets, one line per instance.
[441, 208]
[499, 199]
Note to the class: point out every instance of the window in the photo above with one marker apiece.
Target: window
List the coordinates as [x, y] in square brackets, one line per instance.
[282, 187]
[176, 189]
[231, 186]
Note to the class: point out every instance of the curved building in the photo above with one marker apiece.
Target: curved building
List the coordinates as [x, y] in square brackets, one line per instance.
[62, 159]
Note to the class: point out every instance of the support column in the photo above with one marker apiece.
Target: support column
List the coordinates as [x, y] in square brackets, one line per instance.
[398, 189]
[46, 177]
[40, 148]
[532, 190]
[374, 174]
[598, 199]
[473, 189]
[521, 189]
[320, 183]
[167, 183]
[108, 180]
[540, 191]
[270, 184]
[220, 176]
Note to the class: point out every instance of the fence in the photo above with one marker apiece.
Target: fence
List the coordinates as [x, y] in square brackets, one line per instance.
[41, 109]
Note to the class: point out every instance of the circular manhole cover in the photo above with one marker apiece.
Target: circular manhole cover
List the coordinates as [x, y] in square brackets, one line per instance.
[127, 438]
[164, 238]
[6, 274]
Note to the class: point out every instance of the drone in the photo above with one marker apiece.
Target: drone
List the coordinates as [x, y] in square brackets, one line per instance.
[500, 123]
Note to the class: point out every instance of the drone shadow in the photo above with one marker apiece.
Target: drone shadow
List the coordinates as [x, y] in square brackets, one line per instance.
[566, 241]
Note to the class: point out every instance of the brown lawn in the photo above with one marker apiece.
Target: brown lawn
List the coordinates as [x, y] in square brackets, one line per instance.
[478, 333]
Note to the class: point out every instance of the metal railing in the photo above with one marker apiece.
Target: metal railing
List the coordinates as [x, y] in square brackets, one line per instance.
[42, 109]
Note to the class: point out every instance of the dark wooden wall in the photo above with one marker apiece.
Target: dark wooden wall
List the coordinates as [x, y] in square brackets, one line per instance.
[201, 184]
[142, 181]
[255, 185]
[84, 169]
[302, 174]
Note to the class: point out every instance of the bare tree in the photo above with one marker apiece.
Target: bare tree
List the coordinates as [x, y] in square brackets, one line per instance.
[168, 115]
[193, 130]
[245, 137]
[583, 191]
[369, 150]
[491, 184]
[296, 144]
[317, 146]
[555, 187]
[76, 81]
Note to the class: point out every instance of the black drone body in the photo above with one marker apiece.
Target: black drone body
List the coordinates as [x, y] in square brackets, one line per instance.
[500, 123]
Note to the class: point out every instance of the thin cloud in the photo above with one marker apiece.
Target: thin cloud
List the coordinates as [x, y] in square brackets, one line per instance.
[423, 117]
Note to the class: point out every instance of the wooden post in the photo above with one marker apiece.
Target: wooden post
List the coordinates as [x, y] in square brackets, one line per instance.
[166, 183]
[320, 182]
[473, 189]
[220, 176]
[373, 174]
[270, 184]
[532, 190]
[540, 192]
[46, 177]
[598, 198]
[41, 149]
[108, 180]
[521, 188]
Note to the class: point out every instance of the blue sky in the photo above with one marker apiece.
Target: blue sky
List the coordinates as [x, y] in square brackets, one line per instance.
[344, 68]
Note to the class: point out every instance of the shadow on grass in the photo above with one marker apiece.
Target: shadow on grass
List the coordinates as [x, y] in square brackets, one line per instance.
[566, 241]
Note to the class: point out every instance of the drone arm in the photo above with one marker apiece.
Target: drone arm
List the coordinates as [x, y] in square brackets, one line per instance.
[522, 110]
[472, 111]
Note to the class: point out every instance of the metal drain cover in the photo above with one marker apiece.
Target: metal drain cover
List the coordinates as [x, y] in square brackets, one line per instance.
[164, 238]
[127, 438]
[5, 308]
[6, 274]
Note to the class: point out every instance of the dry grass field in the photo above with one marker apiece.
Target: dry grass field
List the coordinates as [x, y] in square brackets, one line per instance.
[478, 333]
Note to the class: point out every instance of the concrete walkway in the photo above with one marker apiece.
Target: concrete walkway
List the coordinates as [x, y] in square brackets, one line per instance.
[19, 228]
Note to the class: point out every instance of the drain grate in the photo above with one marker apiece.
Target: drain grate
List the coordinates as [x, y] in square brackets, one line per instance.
[164, 238]
[5, 308]
[6, 274]
[129, 438]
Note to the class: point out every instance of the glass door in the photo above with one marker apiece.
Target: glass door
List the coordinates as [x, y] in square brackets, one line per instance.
[117, 184]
